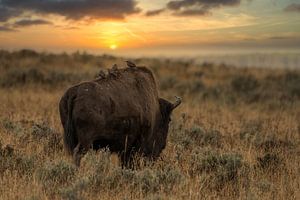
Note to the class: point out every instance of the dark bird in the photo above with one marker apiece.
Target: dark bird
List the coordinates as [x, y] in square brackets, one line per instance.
[130, 64]
[113, 71]
[101, 74]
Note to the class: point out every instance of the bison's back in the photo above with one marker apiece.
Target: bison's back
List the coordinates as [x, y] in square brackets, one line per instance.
[127, 94]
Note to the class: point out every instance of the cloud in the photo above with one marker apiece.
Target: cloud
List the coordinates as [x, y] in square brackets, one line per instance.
[205, 4]
[7, 13]
[6, 29]
[75, 9]
[31, 22]
[194, 7]
[278, 38]
[72, 28]
[294, 7]
[282, 37]
[192, 12]
[154, 12]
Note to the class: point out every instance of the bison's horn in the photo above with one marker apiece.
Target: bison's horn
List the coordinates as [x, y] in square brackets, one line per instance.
[177, 102]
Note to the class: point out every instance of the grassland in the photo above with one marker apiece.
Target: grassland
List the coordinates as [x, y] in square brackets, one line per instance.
[235, 136]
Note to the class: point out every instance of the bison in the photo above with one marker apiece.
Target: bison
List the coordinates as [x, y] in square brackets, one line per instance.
[120, 111]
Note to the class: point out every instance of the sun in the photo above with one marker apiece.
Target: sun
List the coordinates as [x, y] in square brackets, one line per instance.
[113, 46]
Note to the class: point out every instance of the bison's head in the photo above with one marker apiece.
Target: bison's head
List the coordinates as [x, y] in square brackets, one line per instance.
[166, 109]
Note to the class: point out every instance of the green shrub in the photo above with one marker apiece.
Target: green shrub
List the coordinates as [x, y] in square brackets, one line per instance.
[41, 130]
[13, 127]
[33, 197]
[211, 93]
[196, 136]
[201, 137]
[155, 197]
[19, 77]
[98, 162]
[283, 88]
[264, 186]
[53, 174]
[118, 178]
[169, 177]
[98, 168]
[270, 161]
[150, 181]
[244, 84]
[292, 84]
[147, 181]
[180, 138]
[69, 194]
[14, 161]
[271, 143]
[190, 87]
[222, 168]
[15, 77]
[53, 144]
[74, 191]
[26, 53]
[212, 162]
[53, 140]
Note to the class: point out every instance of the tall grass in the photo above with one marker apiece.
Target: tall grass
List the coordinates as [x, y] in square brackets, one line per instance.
[235, 136]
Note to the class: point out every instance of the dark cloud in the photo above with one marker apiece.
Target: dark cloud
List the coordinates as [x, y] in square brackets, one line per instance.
[196, 7]
[154, 12]
[192, 12]
[6, 29]
[71, 9]
[281, 38]
[7, 13]
[205, 4]
[72, 28]
[294, 7]
[31, 22]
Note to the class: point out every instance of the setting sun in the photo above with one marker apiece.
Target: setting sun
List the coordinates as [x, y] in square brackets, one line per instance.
[113, 46]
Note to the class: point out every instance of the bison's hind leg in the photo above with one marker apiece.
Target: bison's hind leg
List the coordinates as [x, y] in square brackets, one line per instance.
[79, 152]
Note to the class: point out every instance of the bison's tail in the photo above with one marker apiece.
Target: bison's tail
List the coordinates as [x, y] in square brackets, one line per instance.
[70, 138]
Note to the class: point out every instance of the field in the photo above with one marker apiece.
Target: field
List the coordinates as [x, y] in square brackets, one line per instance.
[235, 136]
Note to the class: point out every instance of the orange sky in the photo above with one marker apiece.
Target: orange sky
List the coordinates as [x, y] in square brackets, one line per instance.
[242, 24]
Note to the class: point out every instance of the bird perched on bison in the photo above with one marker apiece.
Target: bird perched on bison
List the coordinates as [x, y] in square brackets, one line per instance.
[123, 113]
[130, 64]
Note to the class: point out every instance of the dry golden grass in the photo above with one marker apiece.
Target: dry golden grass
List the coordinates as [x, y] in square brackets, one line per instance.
[236, 135]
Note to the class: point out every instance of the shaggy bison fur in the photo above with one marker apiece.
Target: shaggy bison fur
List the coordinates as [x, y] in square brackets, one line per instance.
[120, 111]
